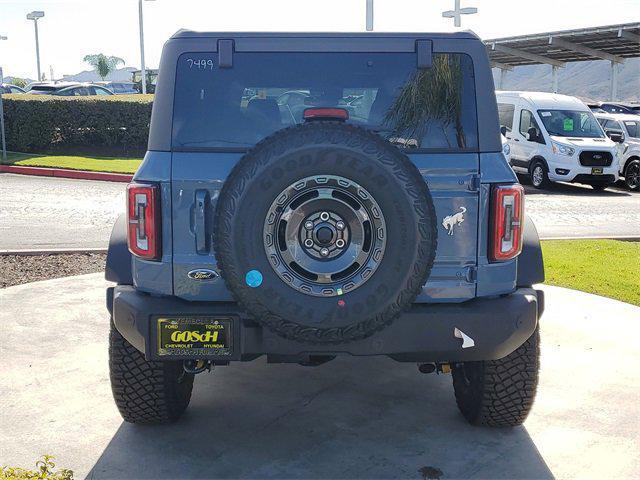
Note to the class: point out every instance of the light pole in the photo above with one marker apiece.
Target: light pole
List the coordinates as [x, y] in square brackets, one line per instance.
[35, 15]
[457, 13]
[143, 70]
[3, 141]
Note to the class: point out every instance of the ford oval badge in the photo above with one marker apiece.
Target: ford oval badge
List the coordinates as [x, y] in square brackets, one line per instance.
[203, 274]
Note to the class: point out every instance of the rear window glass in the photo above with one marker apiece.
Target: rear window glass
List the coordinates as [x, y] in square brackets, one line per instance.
[237, 107]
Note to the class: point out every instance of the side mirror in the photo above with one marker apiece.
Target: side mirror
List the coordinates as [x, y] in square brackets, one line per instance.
[503, 130]
[615, 135]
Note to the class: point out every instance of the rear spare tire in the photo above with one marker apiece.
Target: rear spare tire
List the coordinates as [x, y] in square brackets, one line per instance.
[325, 232]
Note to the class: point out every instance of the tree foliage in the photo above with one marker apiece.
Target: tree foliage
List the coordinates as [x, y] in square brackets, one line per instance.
[102, 64]
[432, 97]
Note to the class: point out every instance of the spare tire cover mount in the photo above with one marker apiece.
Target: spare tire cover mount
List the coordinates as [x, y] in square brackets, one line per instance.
[324, 235]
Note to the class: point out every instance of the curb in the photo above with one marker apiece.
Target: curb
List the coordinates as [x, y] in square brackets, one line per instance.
[625, 238]
[63, 173]
[52, 251]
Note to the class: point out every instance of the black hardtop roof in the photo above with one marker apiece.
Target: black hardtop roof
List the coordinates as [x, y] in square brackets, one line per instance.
[462, 35]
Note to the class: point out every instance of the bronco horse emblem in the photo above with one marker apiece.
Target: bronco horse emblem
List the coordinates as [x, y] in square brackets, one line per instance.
[451, 221]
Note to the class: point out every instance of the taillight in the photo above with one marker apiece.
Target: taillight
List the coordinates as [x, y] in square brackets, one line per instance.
[507, 221]
[143, 211]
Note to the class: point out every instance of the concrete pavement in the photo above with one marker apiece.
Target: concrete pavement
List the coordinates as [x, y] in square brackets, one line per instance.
[350, 418]
[40, 212]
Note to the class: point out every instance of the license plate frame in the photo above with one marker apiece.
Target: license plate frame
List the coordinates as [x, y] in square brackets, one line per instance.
[597, 171]
[195, 336]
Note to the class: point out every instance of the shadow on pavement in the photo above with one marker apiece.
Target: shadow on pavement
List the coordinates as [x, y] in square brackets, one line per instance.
[350, 418]
[573, 189]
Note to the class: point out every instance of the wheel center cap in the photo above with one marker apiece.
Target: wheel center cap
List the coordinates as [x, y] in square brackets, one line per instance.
[324, 235]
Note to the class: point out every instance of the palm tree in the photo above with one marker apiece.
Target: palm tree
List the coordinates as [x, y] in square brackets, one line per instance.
[102, 64]
[431, 96]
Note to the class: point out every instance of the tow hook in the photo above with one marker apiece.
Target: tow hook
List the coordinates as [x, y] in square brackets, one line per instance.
[193, 367]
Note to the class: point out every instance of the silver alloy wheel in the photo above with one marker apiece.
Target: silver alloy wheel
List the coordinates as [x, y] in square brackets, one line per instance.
[324, 235]
[537, 176]
[632, 176]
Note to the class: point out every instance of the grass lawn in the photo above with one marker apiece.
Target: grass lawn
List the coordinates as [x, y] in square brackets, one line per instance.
[71, 162]
[604, 267]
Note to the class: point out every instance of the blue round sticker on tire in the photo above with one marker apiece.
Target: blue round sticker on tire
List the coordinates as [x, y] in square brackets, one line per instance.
[253, 278]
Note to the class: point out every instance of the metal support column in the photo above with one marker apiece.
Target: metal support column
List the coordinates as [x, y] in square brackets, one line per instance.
[2, 138]
[554, 76]
[369, 15]
[503, 74]
[614, 81]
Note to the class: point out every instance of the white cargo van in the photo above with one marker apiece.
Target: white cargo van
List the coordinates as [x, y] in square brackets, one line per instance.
[556, 138]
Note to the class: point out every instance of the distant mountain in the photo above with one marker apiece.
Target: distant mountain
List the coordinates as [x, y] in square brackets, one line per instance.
[120, 75]
[588, 80]
[12, 80]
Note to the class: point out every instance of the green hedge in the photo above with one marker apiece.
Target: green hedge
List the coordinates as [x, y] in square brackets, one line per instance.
[117, 125]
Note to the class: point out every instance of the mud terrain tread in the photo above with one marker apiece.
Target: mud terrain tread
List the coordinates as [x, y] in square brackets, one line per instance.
[146, 392]
[414, 184]
[505, 389]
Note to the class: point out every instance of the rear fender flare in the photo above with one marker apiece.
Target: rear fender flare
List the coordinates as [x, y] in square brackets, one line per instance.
[530, 263]
[118, 267]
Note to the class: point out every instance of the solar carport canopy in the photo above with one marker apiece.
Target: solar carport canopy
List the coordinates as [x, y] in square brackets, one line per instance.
[612, 42]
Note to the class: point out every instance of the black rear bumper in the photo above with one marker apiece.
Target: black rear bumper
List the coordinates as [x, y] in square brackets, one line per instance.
[425, 333]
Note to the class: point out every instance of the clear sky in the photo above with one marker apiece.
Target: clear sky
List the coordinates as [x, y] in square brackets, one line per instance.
[72, 29]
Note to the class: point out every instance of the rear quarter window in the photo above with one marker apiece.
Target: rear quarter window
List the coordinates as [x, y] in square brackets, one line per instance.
[234, 108]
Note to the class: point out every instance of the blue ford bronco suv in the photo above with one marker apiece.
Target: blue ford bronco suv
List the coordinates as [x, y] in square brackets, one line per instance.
[312, 195]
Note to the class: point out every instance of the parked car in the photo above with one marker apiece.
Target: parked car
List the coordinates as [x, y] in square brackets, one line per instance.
[119, 88]
[625, 129]
[7, 88]
[618, 107]
[250, 236]
[556, 138]
[67, 89]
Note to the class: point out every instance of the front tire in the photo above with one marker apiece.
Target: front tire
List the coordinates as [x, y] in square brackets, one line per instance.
[539, 176]
[146, 392]
[632, 175]
[499, 393]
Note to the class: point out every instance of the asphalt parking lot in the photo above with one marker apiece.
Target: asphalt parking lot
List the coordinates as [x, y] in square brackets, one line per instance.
[47, 212]
[350, 418]
[41, 212]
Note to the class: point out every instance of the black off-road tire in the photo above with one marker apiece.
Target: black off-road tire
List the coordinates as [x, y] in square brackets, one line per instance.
[314, 150]
[499, 393]
[146, 392]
